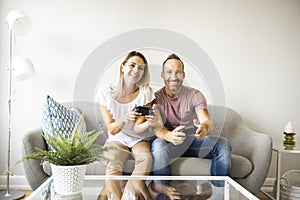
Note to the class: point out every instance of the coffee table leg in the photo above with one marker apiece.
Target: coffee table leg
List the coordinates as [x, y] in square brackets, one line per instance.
[226, 190]
[278, 169]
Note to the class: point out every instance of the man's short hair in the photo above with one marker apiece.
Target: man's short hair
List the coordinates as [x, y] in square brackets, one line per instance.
[173, 56]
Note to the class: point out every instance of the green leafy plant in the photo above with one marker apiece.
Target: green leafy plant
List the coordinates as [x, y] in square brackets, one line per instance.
[78, 149]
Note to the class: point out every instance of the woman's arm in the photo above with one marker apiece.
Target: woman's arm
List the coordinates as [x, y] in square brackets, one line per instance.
[141, 124]
[112, 126]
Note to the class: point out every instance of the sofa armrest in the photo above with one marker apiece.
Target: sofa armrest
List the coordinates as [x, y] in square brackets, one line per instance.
[257, 147]
[34, 172]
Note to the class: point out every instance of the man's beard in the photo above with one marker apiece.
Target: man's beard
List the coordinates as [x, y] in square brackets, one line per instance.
[172, 87]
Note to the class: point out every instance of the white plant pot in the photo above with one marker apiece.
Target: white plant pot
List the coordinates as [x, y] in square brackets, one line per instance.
[68, 180]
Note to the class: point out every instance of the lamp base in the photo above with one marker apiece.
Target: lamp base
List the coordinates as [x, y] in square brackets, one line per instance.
[4, 195]
[289, 139]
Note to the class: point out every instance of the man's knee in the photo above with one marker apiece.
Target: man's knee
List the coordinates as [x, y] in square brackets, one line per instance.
[218, 141]
[224, 143]
[158, 144]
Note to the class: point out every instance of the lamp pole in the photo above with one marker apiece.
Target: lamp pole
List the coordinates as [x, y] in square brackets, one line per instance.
[8, 194]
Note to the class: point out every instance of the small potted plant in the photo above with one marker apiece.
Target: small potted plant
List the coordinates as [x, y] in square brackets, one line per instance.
[70, 157]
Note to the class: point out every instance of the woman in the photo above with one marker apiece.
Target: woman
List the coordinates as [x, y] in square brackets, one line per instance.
[128, 129]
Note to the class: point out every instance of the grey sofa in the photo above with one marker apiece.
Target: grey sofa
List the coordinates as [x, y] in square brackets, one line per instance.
[251, 151]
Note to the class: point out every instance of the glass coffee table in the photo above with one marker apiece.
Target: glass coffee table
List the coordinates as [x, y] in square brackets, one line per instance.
[196, 184]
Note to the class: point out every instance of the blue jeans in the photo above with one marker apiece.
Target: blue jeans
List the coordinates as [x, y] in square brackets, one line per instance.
[210, 147]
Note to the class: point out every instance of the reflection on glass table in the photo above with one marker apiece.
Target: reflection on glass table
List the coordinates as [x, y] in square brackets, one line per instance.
[191, 187]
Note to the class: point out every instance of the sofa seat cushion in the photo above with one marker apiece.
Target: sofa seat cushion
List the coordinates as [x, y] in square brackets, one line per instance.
[186, 166]
[240, 166]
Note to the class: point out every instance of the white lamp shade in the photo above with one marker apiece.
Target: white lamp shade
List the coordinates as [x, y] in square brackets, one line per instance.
[18, 22]
[23, 68]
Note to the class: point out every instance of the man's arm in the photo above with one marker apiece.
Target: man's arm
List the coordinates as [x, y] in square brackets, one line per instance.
[160, 131]
[203, 123]
[158, 126]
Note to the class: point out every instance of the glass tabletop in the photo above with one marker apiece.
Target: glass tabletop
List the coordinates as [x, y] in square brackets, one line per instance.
[191, 187]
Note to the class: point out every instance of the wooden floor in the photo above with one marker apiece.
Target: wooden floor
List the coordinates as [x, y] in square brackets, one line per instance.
[27, 193]
[260, 195]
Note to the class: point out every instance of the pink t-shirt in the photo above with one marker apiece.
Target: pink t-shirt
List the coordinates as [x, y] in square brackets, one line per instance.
[180, 110]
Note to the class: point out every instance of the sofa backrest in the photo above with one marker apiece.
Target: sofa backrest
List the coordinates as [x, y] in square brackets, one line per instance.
[224, 119]
[93, 118]
[229, 124]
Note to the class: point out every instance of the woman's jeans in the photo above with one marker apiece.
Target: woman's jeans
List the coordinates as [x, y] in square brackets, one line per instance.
[210, 147]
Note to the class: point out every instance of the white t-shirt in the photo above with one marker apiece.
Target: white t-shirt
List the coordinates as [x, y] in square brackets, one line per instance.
[126, 136]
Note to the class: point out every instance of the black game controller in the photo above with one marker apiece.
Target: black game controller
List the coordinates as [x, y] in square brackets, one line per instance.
[189, 131]
[144, 110]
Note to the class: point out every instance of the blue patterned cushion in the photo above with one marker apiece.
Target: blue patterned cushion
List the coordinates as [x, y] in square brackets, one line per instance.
[62, 118]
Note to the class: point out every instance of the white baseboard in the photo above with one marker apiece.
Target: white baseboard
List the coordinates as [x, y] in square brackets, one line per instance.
[20, 183]
[15, 183]
[268, 185]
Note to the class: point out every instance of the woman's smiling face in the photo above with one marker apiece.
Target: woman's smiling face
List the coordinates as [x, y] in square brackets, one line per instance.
[133, 69]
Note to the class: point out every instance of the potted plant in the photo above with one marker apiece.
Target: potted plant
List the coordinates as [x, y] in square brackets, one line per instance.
[70, 157]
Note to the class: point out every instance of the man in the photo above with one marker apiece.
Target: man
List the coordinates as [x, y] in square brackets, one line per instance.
[186, 121]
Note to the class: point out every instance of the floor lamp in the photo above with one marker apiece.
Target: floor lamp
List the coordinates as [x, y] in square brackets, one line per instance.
[22, 68]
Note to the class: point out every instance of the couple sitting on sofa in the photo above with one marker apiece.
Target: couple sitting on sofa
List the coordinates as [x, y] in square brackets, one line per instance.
[180, 122]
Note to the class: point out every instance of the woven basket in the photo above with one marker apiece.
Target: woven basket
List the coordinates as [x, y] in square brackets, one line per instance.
[289, 185]
[68, 180]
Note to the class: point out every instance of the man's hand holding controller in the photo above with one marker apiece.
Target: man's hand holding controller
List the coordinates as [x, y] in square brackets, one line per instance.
[202, 129]
[177, 136]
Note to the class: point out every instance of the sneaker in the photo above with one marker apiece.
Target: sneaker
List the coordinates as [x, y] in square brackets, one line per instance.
[191, 191]
[218, 193]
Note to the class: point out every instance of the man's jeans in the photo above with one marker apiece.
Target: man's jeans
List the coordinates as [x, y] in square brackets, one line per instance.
[210, 147]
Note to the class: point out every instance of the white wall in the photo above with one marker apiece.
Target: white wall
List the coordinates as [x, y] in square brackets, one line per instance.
[254, 44]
